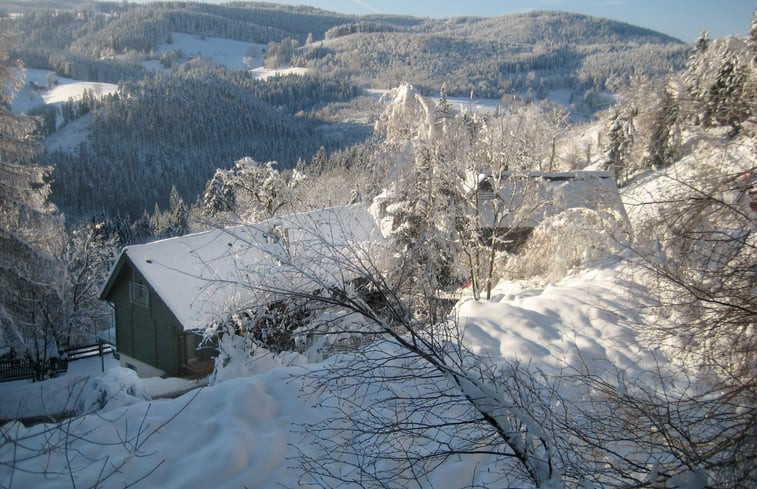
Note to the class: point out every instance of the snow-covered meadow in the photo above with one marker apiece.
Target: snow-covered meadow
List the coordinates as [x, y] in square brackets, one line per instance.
[221, 51]
[235, 55]
[44, 87]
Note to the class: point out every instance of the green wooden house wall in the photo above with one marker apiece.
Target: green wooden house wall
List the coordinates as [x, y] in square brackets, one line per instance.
[147, 332]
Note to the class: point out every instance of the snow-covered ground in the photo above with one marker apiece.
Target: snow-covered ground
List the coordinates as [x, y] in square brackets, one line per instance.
[246, 432]
[66, 88]
[78, 389]
[68, 138]
[235, 55]
[221, 51]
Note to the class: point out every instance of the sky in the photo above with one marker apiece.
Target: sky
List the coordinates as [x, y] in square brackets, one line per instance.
[683, 19]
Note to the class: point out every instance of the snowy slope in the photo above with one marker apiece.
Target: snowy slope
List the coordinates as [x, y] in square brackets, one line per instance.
[235, 55]
[221, 51]
[245, 431]
[66, 88]
[584, 321]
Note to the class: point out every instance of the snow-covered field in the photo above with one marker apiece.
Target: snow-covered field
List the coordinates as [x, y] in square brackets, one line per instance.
[235, 55]
[221, 51]
[66, 88]
[35, 93]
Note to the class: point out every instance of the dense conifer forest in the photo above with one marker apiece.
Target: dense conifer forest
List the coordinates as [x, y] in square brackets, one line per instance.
[195, 115]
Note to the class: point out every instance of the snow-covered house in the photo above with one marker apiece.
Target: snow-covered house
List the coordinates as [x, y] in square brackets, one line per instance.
[512, 205]
[165, 292]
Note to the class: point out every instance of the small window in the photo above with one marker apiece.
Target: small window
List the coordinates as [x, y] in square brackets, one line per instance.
[138, 294]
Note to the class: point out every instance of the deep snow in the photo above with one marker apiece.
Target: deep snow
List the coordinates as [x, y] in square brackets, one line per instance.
[245, 431]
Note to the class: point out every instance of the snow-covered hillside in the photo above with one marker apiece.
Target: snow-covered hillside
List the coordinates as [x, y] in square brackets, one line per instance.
[247, 432]
[615, 347]
[44, 87]
[225, 52]
[235, 55]
[249, 427]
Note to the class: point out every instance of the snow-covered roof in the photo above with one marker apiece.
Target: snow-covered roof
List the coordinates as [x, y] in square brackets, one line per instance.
[205, 276]
[529, 198]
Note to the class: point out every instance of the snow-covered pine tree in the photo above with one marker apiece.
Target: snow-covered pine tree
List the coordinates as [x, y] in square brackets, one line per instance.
[726, 104]
[663, 141]
[718, 87]
[219, 195]
[620, 139]
[178, 224]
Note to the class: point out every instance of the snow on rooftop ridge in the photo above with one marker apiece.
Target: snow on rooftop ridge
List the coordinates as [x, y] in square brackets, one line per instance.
[202, 277]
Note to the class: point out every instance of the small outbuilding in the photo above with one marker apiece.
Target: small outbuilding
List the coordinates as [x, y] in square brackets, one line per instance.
[165, 293]
[513, 204]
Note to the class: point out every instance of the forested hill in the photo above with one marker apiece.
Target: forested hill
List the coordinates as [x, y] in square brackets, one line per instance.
[547, 27]
[494, 57]
[177, 116]
[122, 33]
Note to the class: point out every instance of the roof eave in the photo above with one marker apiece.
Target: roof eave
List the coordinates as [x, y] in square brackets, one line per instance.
[113, 276]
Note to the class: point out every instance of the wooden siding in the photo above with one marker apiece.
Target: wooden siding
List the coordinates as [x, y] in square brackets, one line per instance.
[149, 334]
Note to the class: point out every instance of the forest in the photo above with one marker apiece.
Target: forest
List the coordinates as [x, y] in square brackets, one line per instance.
[110, 42]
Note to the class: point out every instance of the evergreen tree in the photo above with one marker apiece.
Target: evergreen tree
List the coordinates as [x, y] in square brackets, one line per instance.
[620, 139]
[158, 222]
[142, 230]
[702, 43]
[178, 224]
[726, 104]
[219, 195]
[663, 141]
[319, 162]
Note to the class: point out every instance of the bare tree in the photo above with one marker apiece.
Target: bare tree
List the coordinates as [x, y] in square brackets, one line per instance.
[454, 393]
[410, 397]
[701, 260]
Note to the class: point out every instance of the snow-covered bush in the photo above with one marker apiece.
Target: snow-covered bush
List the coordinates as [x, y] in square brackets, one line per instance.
[570, 240]
[334, 331]
[244, 348]
[118, 387]
[239, 355]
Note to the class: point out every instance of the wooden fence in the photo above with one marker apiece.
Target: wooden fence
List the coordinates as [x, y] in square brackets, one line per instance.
[24, 368]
